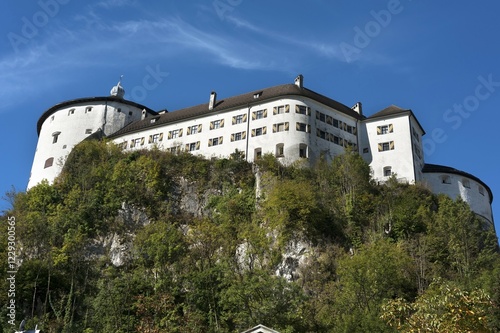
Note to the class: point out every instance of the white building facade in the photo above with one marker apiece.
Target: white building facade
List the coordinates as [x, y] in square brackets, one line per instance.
[66, 124]
[289, 121]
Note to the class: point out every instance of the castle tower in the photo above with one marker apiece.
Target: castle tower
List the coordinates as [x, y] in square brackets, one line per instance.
[66, 124]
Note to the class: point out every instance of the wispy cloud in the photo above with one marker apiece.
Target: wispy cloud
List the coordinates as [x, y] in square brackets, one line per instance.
[324, 48]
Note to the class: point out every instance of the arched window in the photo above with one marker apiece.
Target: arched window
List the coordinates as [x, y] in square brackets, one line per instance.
[280, 150]
[257, 153]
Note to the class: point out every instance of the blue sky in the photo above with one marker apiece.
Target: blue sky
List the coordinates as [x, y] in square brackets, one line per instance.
[439, 59]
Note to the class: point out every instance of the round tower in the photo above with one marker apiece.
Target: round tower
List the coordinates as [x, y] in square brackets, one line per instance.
[66, 124]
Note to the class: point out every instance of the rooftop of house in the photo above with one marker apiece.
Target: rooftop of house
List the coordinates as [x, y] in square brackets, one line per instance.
[231, 103]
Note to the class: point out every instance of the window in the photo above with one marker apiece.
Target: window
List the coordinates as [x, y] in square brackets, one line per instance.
[445, 179]
[302, 109]
[174, 134]
[335, 123]
[52, 118]
[302, 150]
[259, 114]
[417, 150]
[320, 116]
[88, 109]
[174, 149]
[55, 136]
[385, 146]
[259, 131]
[281, 109]
[130, 113]
[239, 119]
[122, 145]
[281, 127]
[216, 124]
[215, 141]
[192, 130]
[466, 183]
[239, 136]
[415, 134]
[88, 131]
[481, 190]
[155, 138]
[366, 150]
[384, 129]
[350, 129]
[321, 134]
[119, 110]
[49, 162]
[195, 129]
[71, 111]
[387, 171]
[280, 150]
[136, 142]
[301, 127]
[257, 153]
[193, 146]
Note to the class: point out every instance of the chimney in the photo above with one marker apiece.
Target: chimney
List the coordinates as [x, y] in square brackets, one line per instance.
[358, 108]
[213, 98]
[299, 81]
[144, 115]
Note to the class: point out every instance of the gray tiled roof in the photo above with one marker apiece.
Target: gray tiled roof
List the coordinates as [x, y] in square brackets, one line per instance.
[234, 102]
[388, 111]
[393, 110]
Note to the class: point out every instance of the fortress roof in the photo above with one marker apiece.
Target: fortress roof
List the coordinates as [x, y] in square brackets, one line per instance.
[230, 103]
[435, 168]
[56, 107]
[393, 110]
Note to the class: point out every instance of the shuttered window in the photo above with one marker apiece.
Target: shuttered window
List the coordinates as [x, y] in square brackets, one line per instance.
[385, 146]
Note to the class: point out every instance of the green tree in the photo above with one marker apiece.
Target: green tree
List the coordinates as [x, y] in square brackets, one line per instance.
[444, 307]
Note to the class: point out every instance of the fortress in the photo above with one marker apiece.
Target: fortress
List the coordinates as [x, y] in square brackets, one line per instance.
[289, 121]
